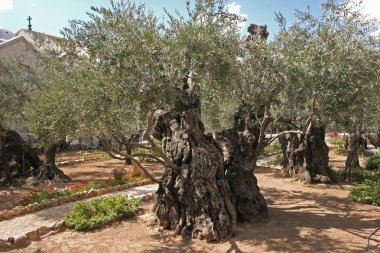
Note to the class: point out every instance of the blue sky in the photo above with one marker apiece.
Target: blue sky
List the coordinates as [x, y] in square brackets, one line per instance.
[50, 16]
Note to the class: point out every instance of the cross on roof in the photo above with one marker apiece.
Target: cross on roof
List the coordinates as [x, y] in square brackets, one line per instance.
[30, 25]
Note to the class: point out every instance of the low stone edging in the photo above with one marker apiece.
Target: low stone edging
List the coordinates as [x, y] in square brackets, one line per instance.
[76, 161]
[20, 210]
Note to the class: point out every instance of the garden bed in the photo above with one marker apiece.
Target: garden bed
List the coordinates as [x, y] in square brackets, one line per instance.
[59, 200]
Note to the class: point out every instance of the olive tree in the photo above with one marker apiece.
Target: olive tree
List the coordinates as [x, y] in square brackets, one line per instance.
[134, 73]
[333, 63]
[16, 84]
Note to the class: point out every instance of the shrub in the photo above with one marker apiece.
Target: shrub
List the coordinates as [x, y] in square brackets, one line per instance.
[119, 174]
[341, 151]
[338, 143]
[373, 162]
[369, 190]
[274, 148]
[101, 211]
[277, 161]
[134, 172]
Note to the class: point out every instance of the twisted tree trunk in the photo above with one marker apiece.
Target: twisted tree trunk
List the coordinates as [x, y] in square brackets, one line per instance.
[308, 157]
[352, 155]
[8, 178]
[240, 144]
[49, 170]
[195, 199]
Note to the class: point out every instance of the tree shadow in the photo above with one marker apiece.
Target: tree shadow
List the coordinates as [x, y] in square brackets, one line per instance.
[299, 222]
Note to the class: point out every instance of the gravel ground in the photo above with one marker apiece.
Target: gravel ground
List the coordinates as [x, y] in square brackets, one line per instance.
[21, 225]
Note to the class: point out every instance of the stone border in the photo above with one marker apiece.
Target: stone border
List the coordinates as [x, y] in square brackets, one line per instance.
[76, 161]
[20, 210]
[43, 232]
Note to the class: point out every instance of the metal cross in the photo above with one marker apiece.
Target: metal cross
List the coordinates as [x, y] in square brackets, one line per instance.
[30, 25]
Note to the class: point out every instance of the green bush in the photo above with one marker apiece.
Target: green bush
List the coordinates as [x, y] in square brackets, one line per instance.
[101, 211]
[339, 143]
[274, 148]
[278, 160]
[369, 190]
[341, 151]
[373, 162]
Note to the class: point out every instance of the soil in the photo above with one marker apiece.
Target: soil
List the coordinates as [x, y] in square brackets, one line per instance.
[303, 218]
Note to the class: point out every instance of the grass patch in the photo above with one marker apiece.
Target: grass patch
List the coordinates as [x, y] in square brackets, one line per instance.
[101, 211]
[368, 191]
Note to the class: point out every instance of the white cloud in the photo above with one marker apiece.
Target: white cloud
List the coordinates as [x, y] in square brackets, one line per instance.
[6, 5]
[372, 8]
[235, 8]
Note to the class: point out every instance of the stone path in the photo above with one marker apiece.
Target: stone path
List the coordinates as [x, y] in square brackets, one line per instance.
[21, 225]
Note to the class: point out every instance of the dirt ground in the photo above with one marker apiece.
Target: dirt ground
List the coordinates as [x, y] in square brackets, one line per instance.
[303, 218]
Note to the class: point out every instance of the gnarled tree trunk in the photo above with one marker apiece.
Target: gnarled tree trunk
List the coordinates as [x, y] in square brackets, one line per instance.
[352, 155]
[49, 170]
[8, 178]
[195, 200]
[240, 144]
[308, 157]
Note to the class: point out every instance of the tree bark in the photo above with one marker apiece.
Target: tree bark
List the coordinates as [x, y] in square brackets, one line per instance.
[128, 161]
[8, 178]
[24, 157]
[352, 159]
[308, 157]
[49, 170]
[196, 199]
[240, 144]
[283, 143]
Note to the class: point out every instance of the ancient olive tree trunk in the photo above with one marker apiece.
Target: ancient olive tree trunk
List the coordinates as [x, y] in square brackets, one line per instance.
[4, 157]
[240, 144]
[49, 170]
[352, 155]
[23, 158]
[307, 157]
[195, 199]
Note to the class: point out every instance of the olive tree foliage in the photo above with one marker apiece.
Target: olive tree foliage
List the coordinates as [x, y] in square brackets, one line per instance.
[123, 65]
[16, 84]
[52, 112]
[333, 58]
[332, 65]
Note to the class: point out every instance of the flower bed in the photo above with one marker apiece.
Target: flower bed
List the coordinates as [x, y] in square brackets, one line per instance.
[36, 196]
[36, 200]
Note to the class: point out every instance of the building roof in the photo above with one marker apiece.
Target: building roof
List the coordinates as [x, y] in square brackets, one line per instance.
[14, 40]
[39, 34]
[6, 35]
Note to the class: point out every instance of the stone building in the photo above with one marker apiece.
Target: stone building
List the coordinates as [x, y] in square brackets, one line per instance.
[17, 46]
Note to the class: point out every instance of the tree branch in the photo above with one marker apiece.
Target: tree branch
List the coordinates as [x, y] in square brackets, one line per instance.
[307, 124]
[150, 156]
[264, 124]
[134, 160]
[146, 136]
[283, 133]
